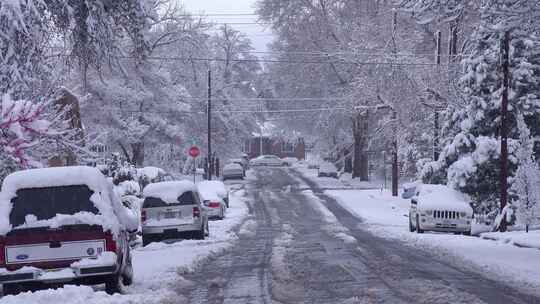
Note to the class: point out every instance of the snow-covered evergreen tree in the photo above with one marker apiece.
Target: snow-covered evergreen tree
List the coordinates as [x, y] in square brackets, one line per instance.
[470, 160]
[527, 179]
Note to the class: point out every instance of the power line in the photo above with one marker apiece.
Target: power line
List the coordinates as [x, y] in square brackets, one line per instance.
[264, 99]
[245, 111]
[219, 14]
[258, 60]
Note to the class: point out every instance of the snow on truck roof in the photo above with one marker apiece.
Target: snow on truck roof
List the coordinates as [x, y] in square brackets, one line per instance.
[168, 191]
[111, 214]
[440, 196]
[55, 177]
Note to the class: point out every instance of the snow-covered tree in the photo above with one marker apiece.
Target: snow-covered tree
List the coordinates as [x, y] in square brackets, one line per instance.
[22, 126]
[527, 179]
[470, 159]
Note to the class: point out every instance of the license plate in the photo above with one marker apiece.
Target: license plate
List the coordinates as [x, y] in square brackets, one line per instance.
[447, 223]
[170, 215]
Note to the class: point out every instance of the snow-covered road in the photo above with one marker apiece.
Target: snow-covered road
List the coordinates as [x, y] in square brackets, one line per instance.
[307, 248]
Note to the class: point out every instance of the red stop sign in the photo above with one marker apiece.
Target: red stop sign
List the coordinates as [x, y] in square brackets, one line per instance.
[194, 151]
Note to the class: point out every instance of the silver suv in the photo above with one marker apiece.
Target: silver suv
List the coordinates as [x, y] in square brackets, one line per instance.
[172, 210]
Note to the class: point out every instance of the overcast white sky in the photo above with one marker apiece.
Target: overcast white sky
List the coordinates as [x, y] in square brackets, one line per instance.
[259, 35]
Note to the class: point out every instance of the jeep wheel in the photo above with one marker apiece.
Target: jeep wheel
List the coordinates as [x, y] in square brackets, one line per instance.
[113, 285]
[411, 227]
[418, 230]
[467, 233]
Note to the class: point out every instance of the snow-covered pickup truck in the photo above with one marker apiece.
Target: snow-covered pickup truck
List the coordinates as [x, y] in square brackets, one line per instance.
[440, 208]
[63, 225]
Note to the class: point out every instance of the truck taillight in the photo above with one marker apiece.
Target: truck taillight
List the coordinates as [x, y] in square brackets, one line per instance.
[143, 216]
[110, 243]
[196, 212]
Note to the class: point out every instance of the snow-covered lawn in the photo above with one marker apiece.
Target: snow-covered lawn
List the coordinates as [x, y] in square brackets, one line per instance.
[387, 216]
[345, 181]
[156, 267]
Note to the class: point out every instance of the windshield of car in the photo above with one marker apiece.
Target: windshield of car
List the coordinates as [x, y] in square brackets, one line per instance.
[46, 203]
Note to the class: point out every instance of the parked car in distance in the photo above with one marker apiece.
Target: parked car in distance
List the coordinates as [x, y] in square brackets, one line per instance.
[213, 193]
[63, 225]
[440, 208]
[232, 171]
[240, 162]
[266, 160]
[289, 161]
[172, 210]
[313, 164]
[328, 169]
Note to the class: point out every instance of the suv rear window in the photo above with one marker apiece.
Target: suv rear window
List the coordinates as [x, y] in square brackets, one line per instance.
[46, 202]
[187, 198]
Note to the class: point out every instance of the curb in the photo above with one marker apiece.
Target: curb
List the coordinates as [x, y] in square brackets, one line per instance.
[507, 241]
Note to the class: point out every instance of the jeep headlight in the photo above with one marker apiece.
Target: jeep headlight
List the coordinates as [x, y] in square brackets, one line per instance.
[463, 214]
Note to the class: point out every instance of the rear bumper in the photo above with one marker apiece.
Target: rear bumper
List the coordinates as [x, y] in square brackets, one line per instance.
[178, 228]
[233, 174]
[60, 275]
[213, 212]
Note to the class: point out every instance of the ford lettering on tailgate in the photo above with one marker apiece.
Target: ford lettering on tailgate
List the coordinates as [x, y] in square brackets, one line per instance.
[22, 257]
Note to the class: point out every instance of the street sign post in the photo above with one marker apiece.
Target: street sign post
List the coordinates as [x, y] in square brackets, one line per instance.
[194, 151]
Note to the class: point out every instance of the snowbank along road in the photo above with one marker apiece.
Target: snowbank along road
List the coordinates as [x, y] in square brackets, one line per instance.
[301, 247]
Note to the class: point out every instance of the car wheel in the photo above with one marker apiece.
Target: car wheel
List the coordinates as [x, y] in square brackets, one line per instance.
[222, 214]
[12, 289]
[199, 235]
[207, 230]
[468, 233]
[418, 230]
[411, 227]
[127, 276]
[147, 239]
[113, 285]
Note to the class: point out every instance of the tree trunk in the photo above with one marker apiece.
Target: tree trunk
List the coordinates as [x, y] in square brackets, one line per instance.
[138, 154]
[357, 155]
[360, 157]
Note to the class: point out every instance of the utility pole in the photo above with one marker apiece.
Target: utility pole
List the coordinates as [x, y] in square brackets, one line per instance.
[436, 110]
[504, 128]
[209, 117]
[261, 141]
[395, 170]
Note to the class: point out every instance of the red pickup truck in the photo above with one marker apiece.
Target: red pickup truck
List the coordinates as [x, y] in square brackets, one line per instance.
[63, 225]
